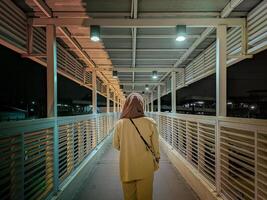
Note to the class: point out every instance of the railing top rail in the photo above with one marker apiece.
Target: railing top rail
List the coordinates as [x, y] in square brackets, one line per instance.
[248, 121]
[19, 127]
[237, 120]
[188, 116]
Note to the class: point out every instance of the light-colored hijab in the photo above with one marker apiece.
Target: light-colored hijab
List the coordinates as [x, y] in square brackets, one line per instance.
[133, 107]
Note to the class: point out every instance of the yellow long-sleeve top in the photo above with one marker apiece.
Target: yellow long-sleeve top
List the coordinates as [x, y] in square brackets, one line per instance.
[136, 162]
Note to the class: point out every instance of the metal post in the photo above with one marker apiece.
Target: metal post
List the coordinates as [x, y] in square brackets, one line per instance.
[221, 81]
[221, 78]
[51, 54]
[144, 104]
[51, 50]
[159, 102]
[108, 100]
[173, 89]
[94, 92]
[114, 102]
[152, 106]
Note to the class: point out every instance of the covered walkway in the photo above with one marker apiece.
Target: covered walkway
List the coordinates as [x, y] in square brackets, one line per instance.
[104, 182]
[112, 48]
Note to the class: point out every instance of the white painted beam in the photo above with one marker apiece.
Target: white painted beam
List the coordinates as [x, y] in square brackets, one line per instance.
[173, 89]
[108, 99]
[141, 83]
[94, 91]
[85, 15]
[147, 69]
[221, 71]
[152, 102]
[138, 23]
[159, 100]
[51, 52]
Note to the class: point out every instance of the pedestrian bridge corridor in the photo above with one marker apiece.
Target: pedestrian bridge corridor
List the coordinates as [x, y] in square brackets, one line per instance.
[203, 157]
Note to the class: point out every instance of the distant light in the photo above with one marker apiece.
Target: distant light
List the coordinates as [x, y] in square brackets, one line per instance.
[229, 103]
[95, 33]
[201, 102]
[252, 107]
[33, 102]
[146, 87]
[180, 33]
[115, 74]
[31, 109]
[154, 74]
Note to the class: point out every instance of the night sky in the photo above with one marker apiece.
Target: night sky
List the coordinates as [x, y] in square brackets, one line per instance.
[245, 76]
[25, 80]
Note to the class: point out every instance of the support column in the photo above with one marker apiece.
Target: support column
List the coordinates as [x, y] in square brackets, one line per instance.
[152, 106]
[94, 92]
[108, 100]
[221, 71]
[114, 102]
[173, 89]
[159, 102]
[51, 55]
[144, 104]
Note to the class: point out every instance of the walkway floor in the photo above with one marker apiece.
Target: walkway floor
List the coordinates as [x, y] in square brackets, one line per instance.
[104, 183]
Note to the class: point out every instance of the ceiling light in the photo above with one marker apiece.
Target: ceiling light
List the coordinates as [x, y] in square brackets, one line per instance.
[95, 33]
[115, 74]
[146, 87]
[154, 74]
[180, 33]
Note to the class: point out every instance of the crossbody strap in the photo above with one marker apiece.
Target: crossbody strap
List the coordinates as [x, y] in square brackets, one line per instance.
[145, 142]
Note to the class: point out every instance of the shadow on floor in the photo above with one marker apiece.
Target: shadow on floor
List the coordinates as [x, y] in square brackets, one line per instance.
[104, 183]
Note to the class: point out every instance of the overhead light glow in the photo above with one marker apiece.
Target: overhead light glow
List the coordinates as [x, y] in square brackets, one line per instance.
[95, 33]
[180, 33]
[147, 88]
[154, 74]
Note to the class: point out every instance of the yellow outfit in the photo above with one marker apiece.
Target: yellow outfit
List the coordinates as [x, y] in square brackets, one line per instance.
[136, 162]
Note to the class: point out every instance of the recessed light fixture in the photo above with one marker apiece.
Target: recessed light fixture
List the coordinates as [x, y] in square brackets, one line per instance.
[146, 87]
[180, 33]
[115, 74]
[154, 74]
[95, 33]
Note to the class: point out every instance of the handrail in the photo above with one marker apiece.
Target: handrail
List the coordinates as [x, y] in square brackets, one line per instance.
[36, 156]
[228, 153]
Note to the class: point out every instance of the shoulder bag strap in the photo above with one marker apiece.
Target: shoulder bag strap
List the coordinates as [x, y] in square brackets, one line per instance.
[143, 139]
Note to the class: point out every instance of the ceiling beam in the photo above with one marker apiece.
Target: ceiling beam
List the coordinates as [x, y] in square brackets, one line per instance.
[146, 69]
[138, 23]
[141, 83]
[85, 15]
[138, 36]
[141, 50]
[134, 33]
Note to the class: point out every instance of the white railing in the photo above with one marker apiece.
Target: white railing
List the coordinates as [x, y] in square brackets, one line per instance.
[36, 156]
[230, 154]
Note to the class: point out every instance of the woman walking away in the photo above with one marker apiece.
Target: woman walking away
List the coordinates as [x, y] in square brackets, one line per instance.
[136, 137]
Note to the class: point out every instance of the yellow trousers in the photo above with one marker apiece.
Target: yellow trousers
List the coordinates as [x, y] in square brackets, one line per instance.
[138, 189]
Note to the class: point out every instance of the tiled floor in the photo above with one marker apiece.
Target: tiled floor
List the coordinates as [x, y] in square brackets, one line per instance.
[104, 183]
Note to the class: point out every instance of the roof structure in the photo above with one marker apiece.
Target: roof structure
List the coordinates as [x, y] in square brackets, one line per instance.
[138, 36]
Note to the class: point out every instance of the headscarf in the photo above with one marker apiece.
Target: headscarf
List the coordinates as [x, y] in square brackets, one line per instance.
[133, 107]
